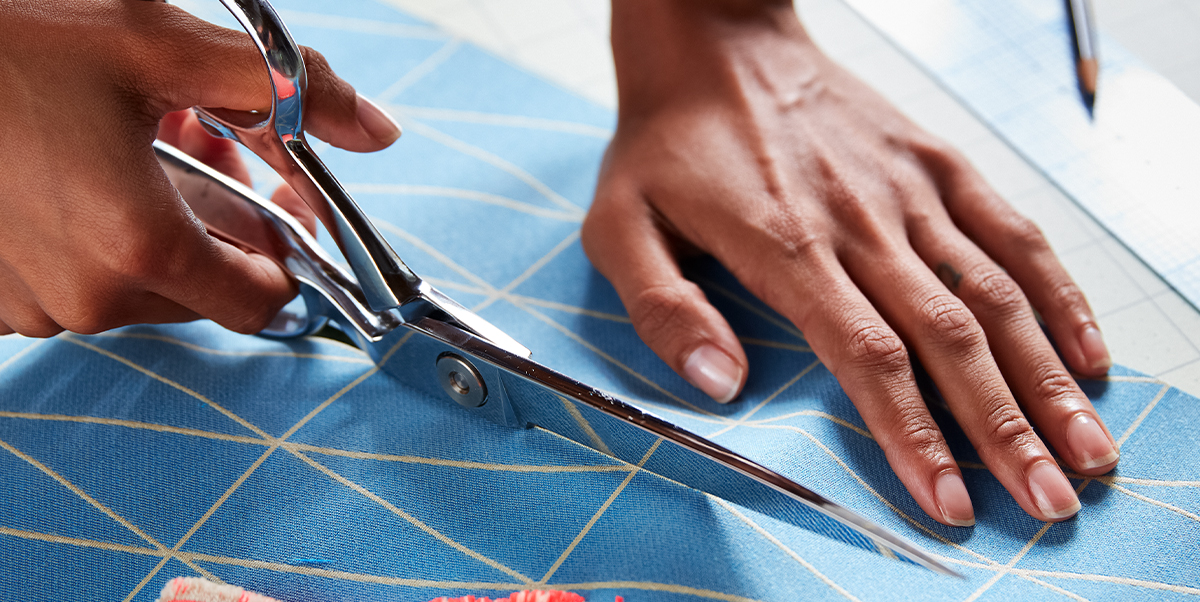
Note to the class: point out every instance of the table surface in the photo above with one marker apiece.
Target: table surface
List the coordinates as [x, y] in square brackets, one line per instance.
[1147, 326]
[301, 451]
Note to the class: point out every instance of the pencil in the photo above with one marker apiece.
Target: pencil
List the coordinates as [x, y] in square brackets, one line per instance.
[1083, 30]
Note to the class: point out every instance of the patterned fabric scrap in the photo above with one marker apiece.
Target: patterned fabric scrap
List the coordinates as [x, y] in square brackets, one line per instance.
[194, 589]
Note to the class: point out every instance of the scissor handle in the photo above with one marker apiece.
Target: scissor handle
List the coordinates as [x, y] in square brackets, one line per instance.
[235, 213]
[279, 140]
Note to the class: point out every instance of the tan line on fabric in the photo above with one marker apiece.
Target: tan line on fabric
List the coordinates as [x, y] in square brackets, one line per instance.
[466, 195]
[303, 447]
[1142, 416]
[346, 575]
[1181, 589]
[377, 579]
[600, 512]
[442, 258]
[416, 522]
[425, 67]
[515, 121]
[361, 359]
[196, 526]
[1008, 566]
[168, 382]
[594, 349]
[18, 355]
[550, 468]
[1129, 379]
[562, 245]
[571, 309]
[769, 422]
[741, 420]
[583, 423]
[79, 542]
[1054, 588]
[1138, 481]
[84, 496]
[306, 570]
[495, 161]
[275, 443]
[779, 544]
[162, 428]
[886, 502]
[1150, 500]
[466, 585]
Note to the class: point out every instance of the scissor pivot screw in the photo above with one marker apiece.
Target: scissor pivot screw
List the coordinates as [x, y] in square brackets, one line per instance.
[461, 381]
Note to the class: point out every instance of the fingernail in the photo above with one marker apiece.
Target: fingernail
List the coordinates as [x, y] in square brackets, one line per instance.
[377, 122]
[714, 372]
[1092, 448]
[1094, 351]
[1052, 492]
[953, 499]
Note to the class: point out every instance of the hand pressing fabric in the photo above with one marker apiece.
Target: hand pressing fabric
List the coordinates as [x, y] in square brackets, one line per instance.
[92, 235]
[739, 139]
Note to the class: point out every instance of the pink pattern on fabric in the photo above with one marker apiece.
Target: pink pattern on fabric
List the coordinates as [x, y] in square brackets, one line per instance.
[524, 596]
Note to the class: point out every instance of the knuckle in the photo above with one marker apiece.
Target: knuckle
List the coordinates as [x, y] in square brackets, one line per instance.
[1067, 295]
[944, 316]
[84, 318]
[792, 238]
[995, 291]
[876, 347]
[314, 61]
[1025, 234]
[918, 430]
[31, 322]
[137, 258]
[656, 310]
[1052, 384]
[253, 319]
[325, 87]
[1005, 427]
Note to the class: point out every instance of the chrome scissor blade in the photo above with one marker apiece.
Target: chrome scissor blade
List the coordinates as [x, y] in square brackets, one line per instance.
[534, 395]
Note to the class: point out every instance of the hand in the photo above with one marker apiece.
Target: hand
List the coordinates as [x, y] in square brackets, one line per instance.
[92, 235]
[737, 137]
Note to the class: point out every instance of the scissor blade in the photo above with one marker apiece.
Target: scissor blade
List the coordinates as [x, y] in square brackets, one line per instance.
[531, 394]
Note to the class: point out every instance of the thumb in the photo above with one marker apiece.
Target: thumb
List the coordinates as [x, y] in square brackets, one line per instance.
[670, 313]
[196, 63]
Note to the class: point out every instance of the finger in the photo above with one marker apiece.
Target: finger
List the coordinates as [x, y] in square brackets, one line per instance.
[954, 350]
[85, 305]
[218, 153]
[169, 253]
[669, 313]
[19, 309]
[5, 330]
[872, 365]
[197, 63]
[1019, 246]
[240, 291]
[291, 202]
[170, 126]
[1047, 392]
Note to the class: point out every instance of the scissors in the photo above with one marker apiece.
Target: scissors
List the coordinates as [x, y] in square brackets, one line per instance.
[381, 303]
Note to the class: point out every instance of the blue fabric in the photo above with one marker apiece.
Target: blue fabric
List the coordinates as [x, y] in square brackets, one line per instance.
[299, 470]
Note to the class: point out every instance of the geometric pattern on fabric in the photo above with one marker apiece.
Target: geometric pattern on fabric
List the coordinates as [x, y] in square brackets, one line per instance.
[300, 470]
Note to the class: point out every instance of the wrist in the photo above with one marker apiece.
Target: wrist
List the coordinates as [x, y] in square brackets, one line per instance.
[668, 49]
